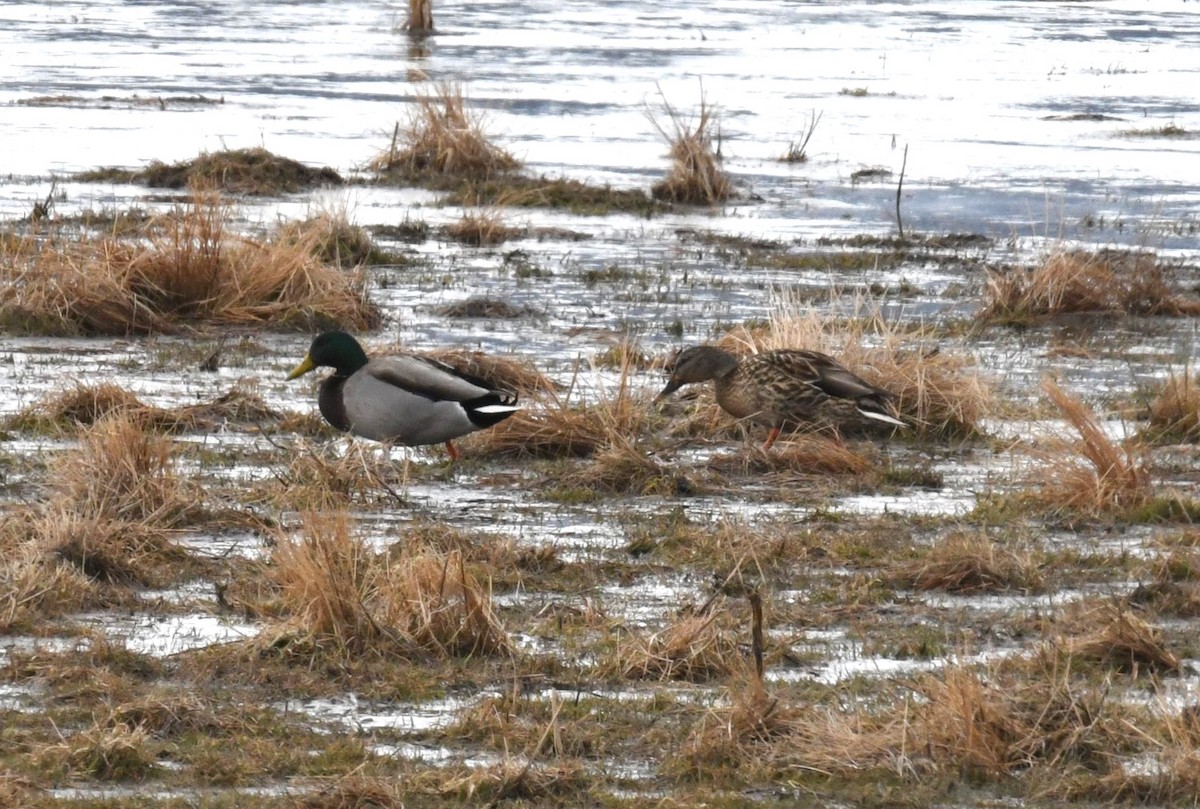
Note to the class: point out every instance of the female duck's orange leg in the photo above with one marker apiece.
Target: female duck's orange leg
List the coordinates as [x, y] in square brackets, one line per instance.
[452, 450]
[771, 438]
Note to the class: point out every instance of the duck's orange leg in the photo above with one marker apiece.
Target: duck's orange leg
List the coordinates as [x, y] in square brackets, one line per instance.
[452, 451]
[771, 438]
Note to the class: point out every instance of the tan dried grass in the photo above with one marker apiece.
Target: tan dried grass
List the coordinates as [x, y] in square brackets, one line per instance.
[621, 467]
[33, 586]
[1075, 281]
[501, 372]
[552, 426]
[696, 648]
[116, 753]
[803, 454]
[482, 227]
[442, 138]
[756, 732]
[110, 551]
[1092, 475]
[324, 579]
[123, 473]
[1113, 636]
[441, 607]
[968, 564]
[185, 267]
[420, 18]
[996, 725]
[696, 176]
[350, 601]
[1175, 409]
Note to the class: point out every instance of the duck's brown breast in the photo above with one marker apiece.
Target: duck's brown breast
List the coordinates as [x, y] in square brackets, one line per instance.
[739, 397]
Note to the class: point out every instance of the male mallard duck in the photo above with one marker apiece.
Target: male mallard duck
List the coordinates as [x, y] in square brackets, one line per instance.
[404, 399]
[782, 388]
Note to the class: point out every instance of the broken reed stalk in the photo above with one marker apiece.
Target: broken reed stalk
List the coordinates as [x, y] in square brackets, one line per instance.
[899, 188]
[756, 633]
[420, 18]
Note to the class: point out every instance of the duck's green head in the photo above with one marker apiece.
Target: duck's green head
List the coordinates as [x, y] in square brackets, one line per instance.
[697, 364]
[334, 349]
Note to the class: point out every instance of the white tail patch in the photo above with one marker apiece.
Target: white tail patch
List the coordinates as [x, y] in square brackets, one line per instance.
[496, 409]
[882, 417]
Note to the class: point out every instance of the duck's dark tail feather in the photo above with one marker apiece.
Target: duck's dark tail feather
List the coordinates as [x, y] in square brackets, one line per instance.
[878, 412]
[491, 409]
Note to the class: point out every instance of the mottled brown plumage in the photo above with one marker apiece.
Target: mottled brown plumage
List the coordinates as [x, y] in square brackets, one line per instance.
[785, 388]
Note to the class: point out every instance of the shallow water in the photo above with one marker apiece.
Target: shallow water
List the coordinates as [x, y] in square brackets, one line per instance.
[1016, 117]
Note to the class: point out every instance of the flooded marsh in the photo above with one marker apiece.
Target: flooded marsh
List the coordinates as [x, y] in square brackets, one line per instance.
[210, 596]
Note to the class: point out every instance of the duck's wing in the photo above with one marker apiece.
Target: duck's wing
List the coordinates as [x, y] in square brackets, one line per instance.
[824, 373]
[430, 379]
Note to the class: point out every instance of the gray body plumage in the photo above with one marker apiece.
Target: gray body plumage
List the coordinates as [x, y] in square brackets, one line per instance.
[409, 400]
[402, 399]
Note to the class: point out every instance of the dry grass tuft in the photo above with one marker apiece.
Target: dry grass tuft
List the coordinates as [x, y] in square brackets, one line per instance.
[995, 724]
[1175, 410]
[324, 579]
[116, 753]
[696, 176]
[122, 472]
[32, 584]
[320, 479]
[111, 551]
[334, 239]
[524, 782]
[1115, 637]
[184, 266]
[350, 601]
[84, 405]
[937, 392]
[968, 564]
[357, 791]
[482, 227]
[79, 406]
[1074, 281]
[693, 649]
[442, 138]
[441, 607]
[1092, 475]
[553, 427]
[482, 306]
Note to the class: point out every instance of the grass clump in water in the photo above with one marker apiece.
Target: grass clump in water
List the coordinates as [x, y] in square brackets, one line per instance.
[1092, 475]
[696, 176]
[969, 564]
[441, 139]
[1108, 282]
[184, 268]
[1175, 410]
[482, 228]
[237, 171]
[346, 601]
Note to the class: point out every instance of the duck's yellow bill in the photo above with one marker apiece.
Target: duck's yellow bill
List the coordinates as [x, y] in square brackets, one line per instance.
[304, 367]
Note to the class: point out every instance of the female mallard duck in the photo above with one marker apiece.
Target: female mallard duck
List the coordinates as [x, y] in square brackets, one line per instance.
[785, 388]
[405, 399]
